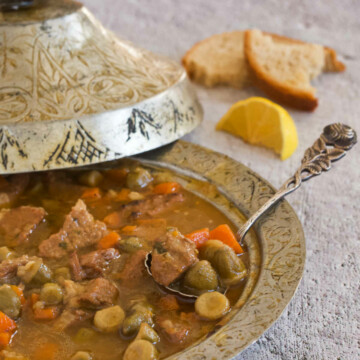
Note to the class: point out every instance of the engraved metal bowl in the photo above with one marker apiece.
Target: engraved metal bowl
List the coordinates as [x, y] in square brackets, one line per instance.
[276, 245]
[73, 94]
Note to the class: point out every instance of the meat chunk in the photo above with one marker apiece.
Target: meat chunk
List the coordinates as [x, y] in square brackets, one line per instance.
[9, 267]
[150, 206]
[134, 269]
[12, 187]
[95, 294]
[79, 230]
[171, 257]
[75, 267]
[96, 263]
[17, 224]
[71, 317]
[93, 264]
[99, 293]
[174, 331]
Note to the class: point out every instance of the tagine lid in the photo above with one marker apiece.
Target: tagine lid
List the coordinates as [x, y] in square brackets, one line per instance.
[72, 93]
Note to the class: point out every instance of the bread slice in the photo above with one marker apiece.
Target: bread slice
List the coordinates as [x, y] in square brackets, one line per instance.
[218, 60]
[284, 67]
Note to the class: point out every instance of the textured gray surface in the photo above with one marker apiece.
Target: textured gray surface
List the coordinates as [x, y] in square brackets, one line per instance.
[323, 319]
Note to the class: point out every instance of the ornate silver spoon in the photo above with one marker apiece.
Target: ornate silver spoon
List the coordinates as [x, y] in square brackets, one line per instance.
[331, 146]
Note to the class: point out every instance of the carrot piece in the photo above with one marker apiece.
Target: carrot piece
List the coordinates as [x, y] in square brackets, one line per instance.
[5, 339]
[19, 293]
[46, 352]
[123, 195]
[199, 237]
[113, 220]
[129, 228]
[117, 174]
[167, 188]
[34, 298]
[48, 313]
[6, 324]
[91, 194]
[109, 240]
[225, 235]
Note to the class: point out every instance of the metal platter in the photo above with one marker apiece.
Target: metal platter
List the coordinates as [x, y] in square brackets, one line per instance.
[73, 94]
[276, 246]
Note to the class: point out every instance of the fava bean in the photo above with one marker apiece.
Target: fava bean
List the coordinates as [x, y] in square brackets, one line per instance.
[141, 350]
[10, 303]
[138, 179]
[5, 253]
[82, 355]
[212, 305]
[146, 332]
[91, 178]
[130, 244]
[109, 319]
[140, 313]
[228, 265]
[201, 277]
[51, 294]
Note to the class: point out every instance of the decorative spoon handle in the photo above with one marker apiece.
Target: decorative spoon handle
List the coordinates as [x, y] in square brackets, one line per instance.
[331, 146]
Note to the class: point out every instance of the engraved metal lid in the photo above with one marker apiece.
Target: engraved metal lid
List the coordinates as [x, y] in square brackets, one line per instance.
[72, 93]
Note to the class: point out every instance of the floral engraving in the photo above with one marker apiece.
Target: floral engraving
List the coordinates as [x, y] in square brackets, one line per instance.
[66, 74]
[8, 56]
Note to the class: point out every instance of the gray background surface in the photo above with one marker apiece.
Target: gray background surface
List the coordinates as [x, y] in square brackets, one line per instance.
[323, 319]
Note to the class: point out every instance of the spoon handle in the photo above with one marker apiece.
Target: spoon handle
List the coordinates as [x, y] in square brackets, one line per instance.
[331, 146]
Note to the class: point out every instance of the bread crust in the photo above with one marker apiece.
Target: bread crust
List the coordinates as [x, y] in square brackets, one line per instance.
[331, 62]
[303, 100]
[187, 64]
[275, 89]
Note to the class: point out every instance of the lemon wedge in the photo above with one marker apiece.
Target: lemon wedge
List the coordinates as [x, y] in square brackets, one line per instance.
[259, 121]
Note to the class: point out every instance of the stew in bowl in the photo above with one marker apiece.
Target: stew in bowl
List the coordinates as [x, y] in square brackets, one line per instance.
[73, 279]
